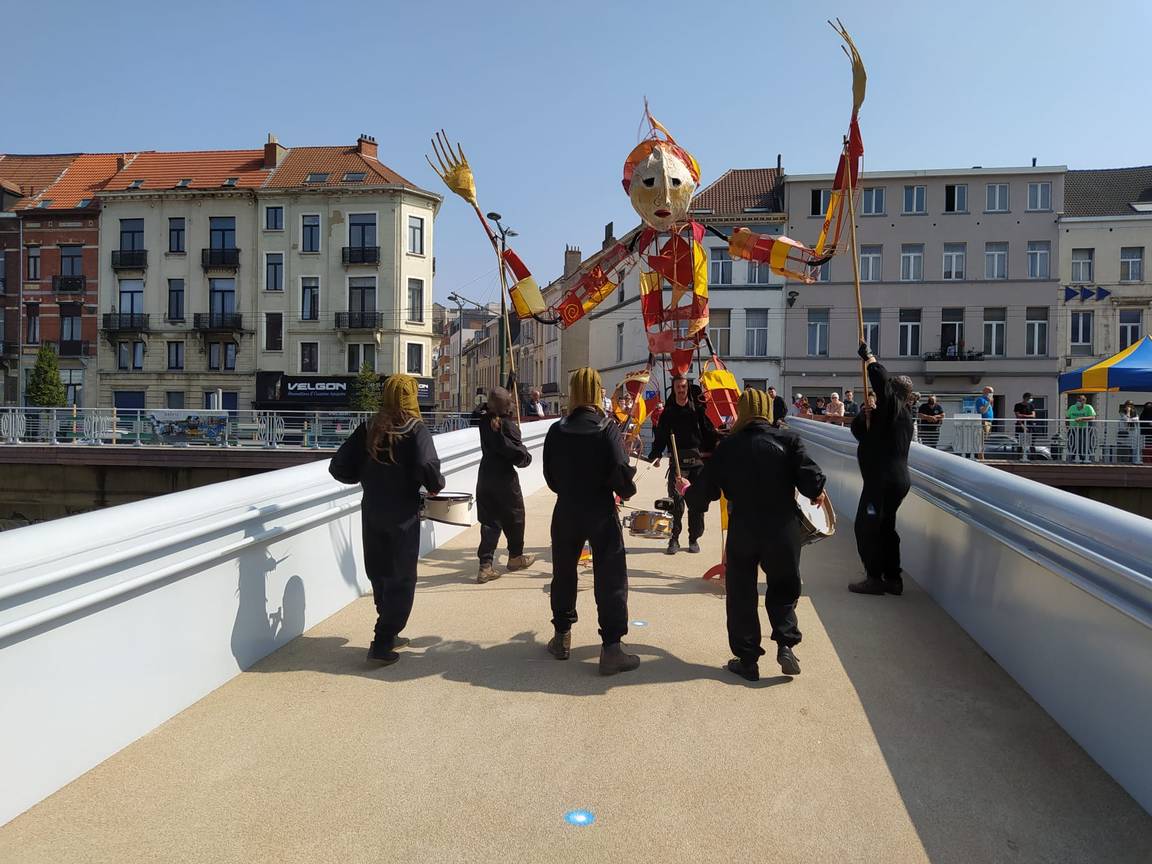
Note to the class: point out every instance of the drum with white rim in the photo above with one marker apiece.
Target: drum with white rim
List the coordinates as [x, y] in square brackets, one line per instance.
[451, 508]
[648, 523]
[817, 520]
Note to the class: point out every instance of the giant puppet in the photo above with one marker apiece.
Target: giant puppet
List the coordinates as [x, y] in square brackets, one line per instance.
[660, 178]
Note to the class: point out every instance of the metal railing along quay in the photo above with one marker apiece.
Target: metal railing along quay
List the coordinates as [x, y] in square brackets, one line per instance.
[189, 428]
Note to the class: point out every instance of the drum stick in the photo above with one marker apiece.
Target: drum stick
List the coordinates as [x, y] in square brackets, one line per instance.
[675, 456]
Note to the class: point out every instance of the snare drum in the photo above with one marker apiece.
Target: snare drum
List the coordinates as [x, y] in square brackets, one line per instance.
[649, 523]
[817, 520]
[451, 508]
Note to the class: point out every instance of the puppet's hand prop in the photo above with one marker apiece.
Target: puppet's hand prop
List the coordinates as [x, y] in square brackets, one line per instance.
[454, 169]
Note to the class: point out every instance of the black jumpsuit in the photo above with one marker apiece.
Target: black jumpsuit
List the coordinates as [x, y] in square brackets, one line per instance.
[499, 501]
[883, 458]
[759, 468]
[585, 465]
[694, 434]
[390, 518]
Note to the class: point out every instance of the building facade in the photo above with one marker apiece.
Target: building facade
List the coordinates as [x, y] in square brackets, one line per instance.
[958, 273]
[1105, 292]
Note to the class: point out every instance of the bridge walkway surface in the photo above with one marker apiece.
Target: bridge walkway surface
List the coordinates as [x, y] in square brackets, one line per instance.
[901, 741]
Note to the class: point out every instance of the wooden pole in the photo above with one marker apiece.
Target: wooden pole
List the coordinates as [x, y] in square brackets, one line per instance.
[675, 456]
[855, 259]
[506, 346]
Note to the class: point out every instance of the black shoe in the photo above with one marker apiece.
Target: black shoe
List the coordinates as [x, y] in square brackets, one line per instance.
[693, 546]
[560, 645]
[749, 670]
[894, 585]
[614, 659]
[867, 586]
[789, 665]
[673, 547]
[400, 642]
[382, 657]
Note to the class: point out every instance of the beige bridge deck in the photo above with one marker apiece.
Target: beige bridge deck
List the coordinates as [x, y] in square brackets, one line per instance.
[900, 742]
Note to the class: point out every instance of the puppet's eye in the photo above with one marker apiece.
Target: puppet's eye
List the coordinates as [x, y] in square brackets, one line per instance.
[675, 181]
[649, 181]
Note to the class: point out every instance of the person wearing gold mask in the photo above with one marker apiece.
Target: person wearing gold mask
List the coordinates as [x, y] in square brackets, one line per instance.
[585, 465]
[391, 456]
[759, 468]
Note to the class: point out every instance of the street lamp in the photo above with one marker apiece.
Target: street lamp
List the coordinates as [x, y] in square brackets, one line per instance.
[505, 233]
[454, 297]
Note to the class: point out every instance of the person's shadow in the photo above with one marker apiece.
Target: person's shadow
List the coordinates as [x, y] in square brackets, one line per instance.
[258, 631]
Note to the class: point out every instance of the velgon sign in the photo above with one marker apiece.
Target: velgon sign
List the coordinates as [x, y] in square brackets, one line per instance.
[318, 392]
[318, 387]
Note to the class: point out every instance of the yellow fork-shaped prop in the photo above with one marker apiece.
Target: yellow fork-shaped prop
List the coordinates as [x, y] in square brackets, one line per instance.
[454, 169]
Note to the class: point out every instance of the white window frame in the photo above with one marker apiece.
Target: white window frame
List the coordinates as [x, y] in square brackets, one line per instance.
[319, 234]
[759, 273]
[825, 198]
[953, 265]
[267, 347]
[408, 301]
[1076, 329]
[1037, 192]
[919, 199]
[912, 262]
[360, 353]
[997, 206]
[872, 329]
[1126, 268]
[871, 263]
[1036, 336]
[995, 335]
[319, 305]
[721, 336]
[1129, 332]
[752, 334]
[281, 208]
[996, 261]
[952, 327]
[959, 196]
[908, 329]
[1042, 254]
[818, 329]
[1080, 265]
[423, 236]
[868, 203]
[719, 269]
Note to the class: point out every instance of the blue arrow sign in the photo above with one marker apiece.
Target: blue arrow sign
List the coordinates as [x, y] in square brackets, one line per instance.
[1101, 293]
[1069, 293]
[1085, 293]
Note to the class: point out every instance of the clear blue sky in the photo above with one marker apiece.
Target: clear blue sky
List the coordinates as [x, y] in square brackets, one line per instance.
[547, 97]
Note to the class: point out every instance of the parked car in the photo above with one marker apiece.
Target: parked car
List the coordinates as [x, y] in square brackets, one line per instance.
[1001, 446]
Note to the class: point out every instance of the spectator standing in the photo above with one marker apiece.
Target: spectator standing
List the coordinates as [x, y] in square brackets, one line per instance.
[930, 415]
[1080, 414]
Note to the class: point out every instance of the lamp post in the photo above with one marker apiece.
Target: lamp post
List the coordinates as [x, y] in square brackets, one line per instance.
[454, 297]
[505, 233]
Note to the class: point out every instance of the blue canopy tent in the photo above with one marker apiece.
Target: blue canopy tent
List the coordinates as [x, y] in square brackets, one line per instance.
[1128, 371]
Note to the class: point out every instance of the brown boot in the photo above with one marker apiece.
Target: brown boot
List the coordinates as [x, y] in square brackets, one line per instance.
[486, 574]
[520, 562]
[613, 660]
[560, 645]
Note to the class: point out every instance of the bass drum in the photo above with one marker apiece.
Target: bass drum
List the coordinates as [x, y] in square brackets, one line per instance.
[451, 508]
[651, 524]
[817, 520]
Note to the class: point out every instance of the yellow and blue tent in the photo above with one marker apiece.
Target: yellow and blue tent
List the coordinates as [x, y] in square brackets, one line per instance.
[1130, 370]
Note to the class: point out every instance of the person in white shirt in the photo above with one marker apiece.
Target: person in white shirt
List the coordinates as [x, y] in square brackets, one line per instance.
[535, 408]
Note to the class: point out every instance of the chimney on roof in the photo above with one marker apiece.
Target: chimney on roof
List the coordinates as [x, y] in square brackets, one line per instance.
[273, 152]
[121, 161]
[571, 259]
[779, 162]
[609, 236]
[1033, 161]
[366, 146]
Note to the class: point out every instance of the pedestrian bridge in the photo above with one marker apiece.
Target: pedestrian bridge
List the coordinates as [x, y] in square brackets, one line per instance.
[184, 680]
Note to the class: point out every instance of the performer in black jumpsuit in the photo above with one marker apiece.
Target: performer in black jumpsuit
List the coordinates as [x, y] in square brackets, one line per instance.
[759, 468]
[499, 501]
[585, 465]
[884, 433]
[683, 417]
[391, 456]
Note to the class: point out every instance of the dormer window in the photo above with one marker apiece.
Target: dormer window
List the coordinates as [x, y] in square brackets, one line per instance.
[136, 184]
[318, 177]
[45, 204]
[231, 181]
[355, 176]
[84, 202]
[185, 183]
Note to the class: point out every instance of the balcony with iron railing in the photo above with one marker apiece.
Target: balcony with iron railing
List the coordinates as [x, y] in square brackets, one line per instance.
[218, 321]
[359, 320]
[70, 348]
[124, 322]
[129, 259]
[69, 284]
[220, 259]
[361, 255]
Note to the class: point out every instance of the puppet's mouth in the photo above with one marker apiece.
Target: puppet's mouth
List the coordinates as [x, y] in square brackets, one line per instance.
[663, 214]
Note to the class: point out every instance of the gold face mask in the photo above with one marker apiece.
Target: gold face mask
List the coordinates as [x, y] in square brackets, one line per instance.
[661, 189]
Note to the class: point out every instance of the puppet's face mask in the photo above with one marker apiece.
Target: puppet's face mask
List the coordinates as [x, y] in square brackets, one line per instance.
[661, 189]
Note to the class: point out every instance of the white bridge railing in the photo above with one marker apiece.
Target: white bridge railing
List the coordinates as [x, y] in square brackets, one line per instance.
[113, 621]
[1057, 588]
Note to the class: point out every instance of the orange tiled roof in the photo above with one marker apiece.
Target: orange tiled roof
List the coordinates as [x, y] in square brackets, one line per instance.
[81, 180]
[32, 174]
[739, 189]
[207, 169]
[335, 162]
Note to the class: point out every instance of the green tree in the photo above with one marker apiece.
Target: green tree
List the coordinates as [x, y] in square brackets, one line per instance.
[45, 389]
[366, 390]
